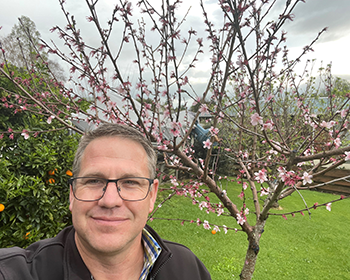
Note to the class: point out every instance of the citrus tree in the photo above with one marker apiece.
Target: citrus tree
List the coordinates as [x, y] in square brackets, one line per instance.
[36, 158]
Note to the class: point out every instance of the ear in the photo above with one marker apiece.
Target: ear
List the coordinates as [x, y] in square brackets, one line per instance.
[71, 197]
[153, 194]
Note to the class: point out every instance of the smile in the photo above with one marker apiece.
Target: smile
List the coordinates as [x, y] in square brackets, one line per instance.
[109, 220]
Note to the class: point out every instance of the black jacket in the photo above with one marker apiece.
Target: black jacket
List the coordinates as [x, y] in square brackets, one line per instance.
[58, 259]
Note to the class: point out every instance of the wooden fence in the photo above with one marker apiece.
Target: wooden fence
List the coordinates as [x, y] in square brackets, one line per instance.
[336, 186]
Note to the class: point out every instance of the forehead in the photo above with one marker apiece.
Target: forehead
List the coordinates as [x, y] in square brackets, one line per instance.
[115, 153]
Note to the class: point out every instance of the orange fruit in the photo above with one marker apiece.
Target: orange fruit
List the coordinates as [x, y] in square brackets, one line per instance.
[213, 231]
[2, 207]
[51, 181]
[69, 173]
[51, 172]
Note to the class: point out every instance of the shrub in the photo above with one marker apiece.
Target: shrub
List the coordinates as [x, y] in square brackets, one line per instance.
[33, 183]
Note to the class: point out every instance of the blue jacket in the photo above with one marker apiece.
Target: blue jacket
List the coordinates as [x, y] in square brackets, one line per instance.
[58, 259]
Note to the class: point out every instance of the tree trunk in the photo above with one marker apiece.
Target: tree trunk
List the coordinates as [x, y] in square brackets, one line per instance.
[252, 252]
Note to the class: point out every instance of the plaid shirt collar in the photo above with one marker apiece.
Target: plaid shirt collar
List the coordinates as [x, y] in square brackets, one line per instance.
[152, 252]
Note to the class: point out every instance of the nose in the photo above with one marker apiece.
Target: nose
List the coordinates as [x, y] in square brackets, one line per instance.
[111, 198]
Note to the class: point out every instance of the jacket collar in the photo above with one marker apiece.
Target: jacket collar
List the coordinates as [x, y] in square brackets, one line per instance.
[164, 256]
[75, 268]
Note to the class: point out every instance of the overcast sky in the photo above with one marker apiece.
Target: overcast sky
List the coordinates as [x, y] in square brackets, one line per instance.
[310, 18]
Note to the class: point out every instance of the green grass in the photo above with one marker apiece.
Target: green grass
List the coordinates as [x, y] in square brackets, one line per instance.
[299, 248]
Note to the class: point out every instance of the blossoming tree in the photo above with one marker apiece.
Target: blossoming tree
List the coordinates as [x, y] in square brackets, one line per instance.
[277, 128]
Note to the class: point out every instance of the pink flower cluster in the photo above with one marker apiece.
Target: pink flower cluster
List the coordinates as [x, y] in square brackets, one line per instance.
[288, 177]
[260, 176]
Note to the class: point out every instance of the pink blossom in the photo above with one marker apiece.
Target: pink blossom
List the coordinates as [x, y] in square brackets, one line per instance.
[256, 119]
[175, 130]
[200, 42]
[288, 177]
[240, 219]
[225, 229]
[307, 152]
[174, 182]
[260, 176]
[328, 206]
[216, 228]
[268, 125]
[207, 144]
[347, 156]
[245, 185]
[204, 108]
[206, 225]
[220, 210]
[246, 211]
[166, 113]
[214, 131]
[25, 134]
[203, 204]
[264, 191]
[241, 195]
[49, 119]
[343, 113]
[306, 178]
[328, 125]
[337, 142]
[162, 147]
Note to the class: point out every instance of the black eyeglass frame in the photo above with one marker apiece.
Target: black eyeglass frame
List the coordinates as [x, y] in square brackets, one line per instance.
[71, 180]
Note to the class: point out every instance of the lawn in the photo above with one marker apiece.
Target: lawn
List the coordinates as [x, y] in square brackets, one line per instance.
[297, 248]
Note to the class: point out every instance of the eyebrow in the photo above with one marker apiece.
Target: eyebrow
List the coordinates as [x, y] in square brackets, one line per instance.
[93, 174]
[101, 175]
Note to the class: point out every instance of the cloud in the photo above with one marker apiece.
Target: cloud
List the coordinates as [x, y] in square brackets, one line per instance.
[314, 15]
[310, 18]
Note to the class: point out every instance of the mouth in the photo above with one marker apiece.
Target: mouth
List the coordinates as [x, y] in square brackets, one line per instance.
[110, 221]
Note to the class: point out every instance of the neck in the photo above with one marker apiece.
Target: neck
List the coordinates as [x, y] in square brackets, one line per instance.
[121, 265]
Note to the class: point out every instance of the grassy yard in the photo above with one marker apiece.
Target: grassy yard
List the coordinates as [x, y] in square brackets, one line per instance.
[297, 248]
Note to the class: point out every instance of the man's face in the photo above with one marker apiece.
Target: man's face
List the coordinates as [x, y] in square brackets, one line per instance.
[111, 225]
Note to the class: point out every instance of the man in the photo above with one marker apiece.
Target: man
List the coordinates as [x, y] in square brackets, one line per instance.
[111, 195]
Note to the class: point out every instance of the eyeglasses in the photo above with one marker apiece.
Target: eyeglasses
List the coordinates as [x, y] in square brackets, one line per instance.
[93, 188]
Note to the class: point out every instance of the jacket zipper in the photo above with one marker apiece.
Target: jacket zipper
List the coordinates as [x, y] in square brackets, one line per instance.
[155, 273]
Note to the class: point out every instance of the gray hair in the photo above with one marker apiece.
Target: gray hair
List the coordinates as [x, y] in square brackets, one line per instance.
[116, 130]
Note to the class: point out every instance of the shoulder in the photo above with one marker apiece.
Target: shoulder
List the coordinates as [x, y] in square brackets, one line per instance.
[184, 264]
[177, 261]
[180, 249]
[18, 263]
[182, 254]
